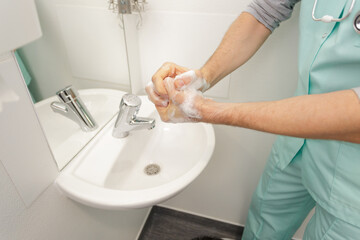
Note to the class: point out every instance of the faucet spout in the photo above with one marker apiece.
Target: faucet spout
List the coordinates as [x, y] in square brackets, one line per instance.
[127, 120]
[141, 123]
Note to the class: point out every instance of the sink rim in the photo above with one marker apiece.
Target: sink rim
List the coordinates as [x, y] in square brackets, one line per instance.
[86, 91]
[107, 198]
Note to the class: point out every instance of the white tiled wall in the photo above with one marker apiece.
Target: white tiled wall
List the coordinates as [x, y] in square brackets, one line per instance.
[94, 42]
[184, 32]
[82, 45]
[186, 38]
[24, 151]
[15, 31]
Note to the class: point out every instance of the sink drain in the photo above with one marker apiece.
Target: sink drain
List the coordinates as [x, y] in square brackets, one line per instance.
[152, 169]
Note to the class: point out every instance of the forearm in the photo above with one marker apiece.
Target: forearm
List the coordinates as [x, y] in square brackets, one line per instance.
[244, 37]
[324, 116]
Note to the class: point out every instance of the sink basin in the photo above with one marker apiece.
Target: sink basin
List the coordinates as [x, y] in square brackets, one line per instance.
[143, 169]
[65, 136]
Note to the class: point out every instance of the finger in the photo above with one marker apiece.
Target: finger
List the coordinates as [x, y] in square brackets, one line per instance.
[154, 97]
[159, 77]
[159, 85]
[169, 86]
[184, 79]
[179, 70]
[166, 70]
[163, 113]
[174, 95]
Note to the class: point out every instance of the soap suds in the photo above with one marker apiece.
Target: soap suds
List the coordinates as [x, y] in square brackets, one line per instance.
[185, 110]
[188, 105]
[190, 93]
[196, 82]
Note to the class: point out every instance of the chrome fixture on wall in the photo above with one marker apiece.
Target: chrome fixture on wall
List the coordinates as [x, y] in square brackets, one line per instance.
[122, 7]
[127, 6]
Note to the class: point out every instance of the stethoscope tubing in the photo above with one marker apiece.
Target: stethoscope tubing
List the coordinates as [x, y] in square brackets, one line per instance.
[328, 18]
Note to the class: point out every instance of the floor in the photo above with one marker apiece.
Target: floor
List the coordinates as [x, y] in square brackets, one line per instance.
[168, 224]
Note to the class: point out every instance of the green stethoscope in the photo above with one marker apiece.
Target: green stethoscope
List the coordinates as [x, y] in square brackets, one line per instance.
[328, 18]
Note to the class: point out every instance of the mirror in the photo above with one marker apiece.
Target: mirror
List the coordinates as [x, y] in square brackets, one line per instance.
[83, 45]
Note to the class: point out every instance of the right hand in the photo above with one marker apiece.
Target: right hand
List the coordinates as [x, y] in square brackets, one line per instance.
[156, 89]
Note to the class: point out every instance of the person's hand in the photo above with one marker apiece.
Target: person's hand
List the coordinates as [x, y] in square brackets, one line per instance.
[192, 79]
[184, 104]
[156, 89]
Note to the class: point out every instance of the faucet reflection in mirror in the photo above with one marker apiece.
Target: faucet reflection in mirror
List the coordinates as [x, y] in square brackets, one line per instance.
[127, 120]
[72, 107]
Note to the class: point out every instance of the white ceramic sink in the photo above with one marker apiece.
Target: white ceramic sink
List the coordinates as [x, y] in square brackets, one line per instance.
[64, 136]
[109, 172]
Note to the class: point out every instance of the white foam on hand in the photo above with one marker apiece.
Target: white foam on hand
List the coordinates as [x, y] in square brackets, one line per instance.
[193, 81]
[184, 106]
[188, 106]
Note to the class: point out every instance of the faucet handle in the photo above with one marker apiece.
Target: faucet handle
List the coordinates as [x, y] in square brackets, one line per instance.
[67, 94]
[130, 106]
[127, 120]
[130, 100]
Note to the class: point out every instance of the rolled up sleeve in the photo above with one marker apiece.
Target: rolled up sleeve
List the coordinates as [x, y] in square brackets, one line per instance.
[271, 12]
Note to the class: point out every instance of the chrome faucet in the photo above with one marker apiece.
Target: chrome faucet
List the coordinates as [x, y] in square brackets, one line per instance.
[127, 120]
[72, 107]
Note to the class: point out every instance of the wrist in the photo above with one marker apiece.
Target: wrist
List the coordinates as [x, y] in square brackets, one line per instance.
[221, 113]
[206, 74]
[208, 109]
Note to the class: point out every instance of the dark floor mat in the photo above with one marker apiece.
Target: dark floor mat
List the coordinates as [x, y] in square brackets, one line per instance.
[168, 224]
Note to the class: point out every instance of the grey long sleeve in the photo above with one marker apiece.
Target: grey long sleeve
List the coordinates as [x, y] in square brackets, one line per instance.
[271, 12]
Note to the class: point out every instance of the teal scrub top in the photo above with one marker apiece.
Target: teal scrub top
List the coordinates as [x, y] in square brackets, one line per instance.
[329, 60]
